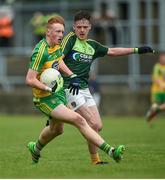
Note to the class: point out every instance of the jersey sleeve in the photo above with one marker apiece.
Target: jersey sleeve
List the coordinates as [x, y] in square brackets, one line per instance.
[67, 43]
[37, 59]
[100, 50]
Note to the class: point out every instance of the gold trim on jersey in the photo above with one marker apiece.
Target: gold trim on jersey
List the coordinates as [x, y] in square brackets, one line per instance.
[53, 49]
[45, 108]
[65, 40]
[39, 55]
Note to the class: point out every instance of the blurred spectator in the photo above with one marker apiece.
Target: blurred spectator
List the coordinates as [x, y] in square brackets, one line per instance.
[39, 21]
[6, 26]
[158, 88]
[94, 88]
[104, 22]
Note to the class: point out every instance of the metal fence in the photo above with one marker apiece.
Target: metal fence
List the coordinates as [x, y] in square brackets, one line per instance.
[138, 22]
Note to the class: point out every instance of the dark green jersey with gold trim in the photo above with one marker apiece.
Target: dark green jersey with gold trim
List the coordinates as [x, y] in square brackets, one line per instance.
[79, 55]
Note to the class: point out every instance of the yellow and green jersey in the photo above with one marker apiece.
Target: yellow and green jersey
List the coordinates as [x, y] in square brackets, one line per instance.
[79, 55]
[44, 57]
[158, 73]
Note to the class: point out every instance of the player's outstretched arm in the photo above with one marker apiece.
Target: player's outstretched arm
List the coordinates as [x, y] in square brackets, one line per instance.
[126, 51]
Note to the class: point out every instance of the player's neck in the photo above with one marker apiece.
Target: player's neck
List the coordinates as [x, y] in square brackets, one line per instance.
[50, 44]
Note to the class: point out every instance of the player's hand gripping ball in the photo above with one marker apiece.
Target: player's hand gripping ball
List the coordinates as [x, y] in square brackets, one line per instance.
[52, 78]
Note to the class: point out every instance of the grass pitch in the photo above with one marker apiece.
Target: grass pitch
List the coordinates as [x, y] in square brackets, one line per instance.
[67, 156]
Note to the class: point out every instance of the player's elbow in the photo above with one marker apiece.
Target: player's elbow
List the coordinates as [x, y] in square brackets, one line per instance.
[112, 52]
[28, 81]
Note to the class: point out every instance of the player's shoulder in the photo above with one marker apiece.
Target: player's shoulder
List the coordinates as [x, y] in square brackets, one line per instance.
[40, 46]
[95, 43]
[92, 40]
[70, 35]
[69, 39]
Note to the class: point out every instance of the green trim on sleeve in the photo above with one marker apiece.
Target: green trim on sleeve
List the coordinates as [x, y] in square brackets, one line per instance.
[136, 51]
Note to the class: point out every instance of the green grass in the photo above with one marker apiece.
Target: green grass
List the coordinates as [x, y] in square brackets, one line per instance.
[67, 156]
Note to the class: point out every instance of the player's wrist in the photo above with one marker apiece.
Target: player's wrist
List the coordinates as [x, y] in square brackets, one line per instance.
[73, 75]
[136, 50]
[143, 50]
[48, 89]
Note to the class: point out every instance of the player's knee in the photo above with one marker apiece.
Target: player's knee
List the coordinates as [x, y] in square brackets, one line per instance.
[100, 126]
[96, 126]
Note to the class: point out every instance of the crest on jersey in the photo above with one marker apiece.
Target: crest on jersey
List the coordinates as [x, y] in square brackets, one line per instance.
[73, 104]
[55, 65]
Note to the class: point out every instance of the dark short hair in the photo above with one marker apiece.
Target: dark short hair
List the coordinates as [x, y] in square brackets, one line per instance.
[83, 14]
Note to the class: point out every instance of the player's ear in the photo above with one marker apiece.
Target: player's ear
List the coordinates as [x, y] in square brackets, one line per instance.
[48, 31]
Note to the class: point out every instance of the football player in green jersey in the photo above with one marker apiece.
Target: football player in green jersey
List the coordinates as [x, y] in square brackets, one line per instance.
[47, 53]
[157, 89]
[79, 53]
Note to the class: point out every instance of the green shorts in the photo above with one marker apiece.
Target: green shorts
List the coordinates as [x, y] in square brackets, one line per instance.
[49, 103]
[158, 98]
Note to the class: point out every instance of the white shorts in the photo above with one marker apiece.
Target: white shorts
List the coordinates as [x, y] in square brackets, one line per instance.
[84, 97]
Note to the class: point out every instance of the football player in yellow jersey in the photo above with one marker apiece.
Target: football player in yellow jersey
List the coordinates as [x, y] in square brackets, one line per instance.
[46, 54]
[157, 89]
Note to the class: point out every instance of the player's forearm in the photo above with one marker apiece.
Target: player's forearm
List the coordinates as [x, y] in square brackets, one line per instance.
[120, 51]
[127, 51]
[63, 68]
[32, 81]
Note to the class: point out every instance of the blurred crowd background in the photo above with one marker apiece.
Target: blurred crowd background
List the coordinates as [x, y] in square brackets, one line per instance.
[124, 82]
